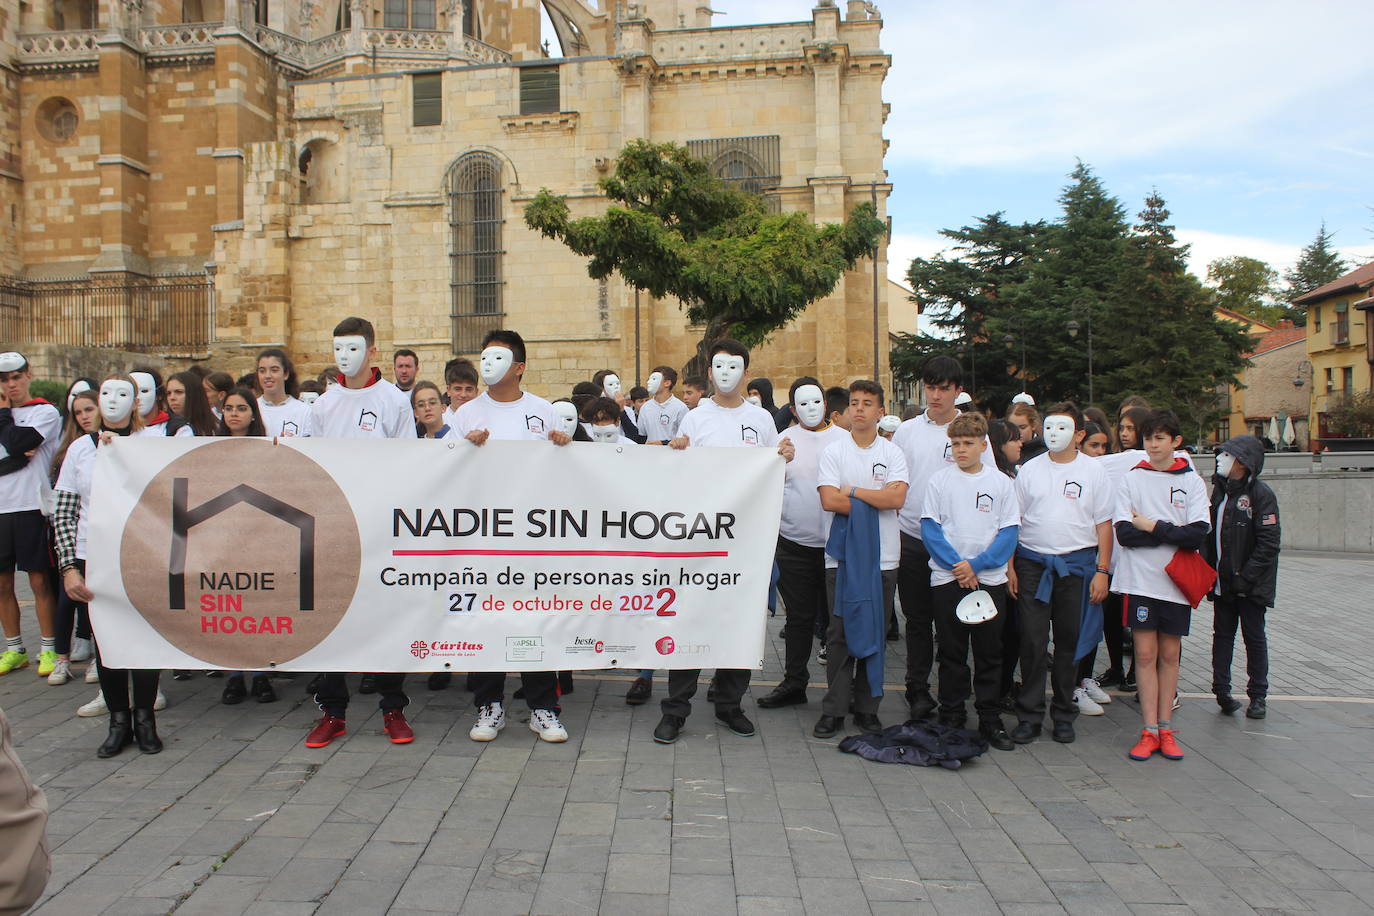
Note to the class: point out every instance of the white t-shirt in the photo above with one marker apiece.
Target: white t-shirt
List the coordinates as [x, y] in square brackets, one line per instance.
[660, 422]
[971, 508]
[925, 444]
[19, 491]
[379, 411]
[802, 521]
[728, 427]
[1117, 464]
[527, 418]
[159, 430]
[1179, 498]
[78, 468]
[844, 464]
[1062, 504]
[287, 419]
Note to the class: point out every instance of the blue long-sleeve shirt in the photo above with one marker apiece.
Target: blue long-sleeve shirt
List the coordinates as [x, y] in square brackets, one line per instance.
[941, 551]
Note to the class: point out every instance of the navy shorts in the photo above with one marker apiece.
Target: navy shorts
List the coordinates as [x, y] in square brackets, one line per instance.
[24, 541]
[1157, 614]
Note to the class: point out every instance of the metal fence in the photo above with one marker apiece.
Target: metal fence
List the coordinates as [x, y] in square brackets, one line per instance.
[128, 313]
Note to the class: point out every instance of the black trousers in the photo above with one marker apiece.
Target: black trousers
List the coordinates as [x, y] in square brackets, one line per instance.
[956, 638]
[731, 684]
[1227, 612]
[846, 677]
[801, 583]
[1063, 614]
[114, 684]
[541, 688]
[69, 613]
[1011, 642]
[333, 693]
[1114, 633]
[913, 587]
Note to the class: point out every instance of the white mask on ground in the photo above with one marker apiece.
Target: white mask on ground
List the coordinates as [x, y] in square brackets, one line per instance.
[496, 362]
[611, 385]
[655, 382]
[727, 372]
[309, 397]
[117, 400]
[605, 434]
[1225, 462]
[1058, 432]
[809, 403]
[567, 417]
[147, 392]
[77, 388]
[350, 352]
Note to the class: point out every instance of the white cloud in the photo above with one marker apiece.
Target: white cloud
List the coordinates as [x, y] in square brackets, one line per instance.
[904, 246]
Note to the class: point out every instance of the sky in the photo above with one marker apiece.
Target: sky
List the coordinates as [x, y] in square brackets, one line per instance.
[1254, 120]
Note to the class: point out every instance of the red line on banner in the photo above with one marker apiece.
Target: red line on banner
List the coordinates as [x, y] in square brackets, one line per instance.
[561, 553]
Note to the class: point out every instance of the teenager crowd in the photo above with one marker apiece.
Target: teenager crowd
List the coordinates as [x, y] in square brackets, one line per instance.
[1017, 543]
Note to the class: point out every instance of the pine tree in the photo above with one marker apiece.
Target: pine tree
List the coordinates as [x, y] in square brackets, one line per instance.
[1318, 264]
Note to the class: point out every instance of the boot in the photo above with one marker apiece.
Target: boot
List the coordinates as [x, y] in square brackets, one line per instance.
[120, 737]
[145, 730]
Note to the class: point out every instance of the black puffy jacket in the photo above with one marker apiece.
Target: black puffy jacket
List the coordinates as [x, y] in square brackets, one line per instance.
[1248, 564]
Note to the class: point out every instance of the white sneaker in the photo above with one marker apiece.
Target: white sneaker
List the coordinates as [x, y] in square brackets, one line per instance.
[161, 702]
[94, 708]
[82, 650]
[1086, 705]
[490, 720]
[92, 673]
[1095, 692]
[61, 672]
[545, 724]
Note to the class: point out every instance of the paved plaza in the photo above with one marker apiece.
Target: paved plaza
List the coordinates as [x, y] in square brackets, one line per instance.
[237, 817]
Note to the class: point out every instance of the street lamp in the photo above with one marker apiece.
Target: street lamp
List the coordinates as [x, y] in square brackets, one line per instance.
[1009, 341]
[1084, 307]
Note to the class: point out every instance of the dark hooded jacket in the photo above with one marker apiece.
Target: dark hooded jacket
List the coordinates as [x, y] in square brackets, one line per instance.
[1248, 562]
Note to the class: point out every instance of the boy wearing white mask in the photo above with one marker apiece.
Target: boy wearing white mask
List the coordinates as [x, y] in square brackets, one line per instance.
[801, 540]
[506, 411]
[725, 420]
[609, 383]
[1060, 570]
[603, 419]
[156, 420]
[661, 416]
[362, 405]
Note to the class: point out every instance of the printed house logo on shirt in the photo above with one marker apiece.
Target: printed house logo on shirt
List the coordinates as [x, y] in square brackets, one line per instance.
[245, 576]
[749, 435]
[1178, 497]
[1073, 490]
[949, 454]
[879, 472]
[983, 502]
[534, 424]
[367, 421]
[290, 428]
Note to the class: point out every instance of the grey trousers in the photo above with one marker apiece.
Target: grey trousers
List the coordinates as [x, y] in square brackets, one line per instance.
[846, 676]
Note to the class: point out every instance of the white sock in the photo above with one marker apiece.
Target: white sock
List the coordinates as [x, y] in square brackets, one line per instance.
[14, 643]
[47, 644]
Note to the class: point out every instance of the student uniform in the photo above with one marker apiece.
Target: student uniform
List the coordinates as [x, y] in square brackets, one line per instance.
[660, 422]
[33, 426]
[164, 424]
[289, 419]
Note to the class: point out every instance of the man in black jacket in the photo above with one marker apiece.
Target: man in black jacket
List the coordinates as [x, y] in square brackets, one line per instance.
[1244, 548]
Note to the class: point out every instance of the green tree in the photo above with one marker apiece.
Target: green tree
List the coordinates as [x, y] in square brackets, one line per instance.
[1248, 286]
[673, 229]
[1318, 264]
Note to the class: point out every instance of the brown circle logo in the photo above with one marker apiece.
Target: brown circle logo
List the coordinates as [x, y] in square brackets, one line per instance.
[225, 553]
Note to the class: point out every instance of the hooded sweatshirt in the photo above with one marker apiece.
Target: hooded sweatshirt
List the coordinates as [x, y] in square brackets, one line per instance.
[1244, 544]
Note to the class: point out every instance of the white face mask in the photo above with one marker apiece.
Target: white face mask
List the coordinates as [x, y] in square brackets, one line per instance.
[889, 423]
[727, 372]
[350, 353]
[76, 389]
[755, 400]
[567, 417]
[611, 385]
[605, 434]
[117, 400]
[309, 397]
[147, 392]
[496, 362]
[1058, 432]
[809, 403]
[655, 382]
[1225, 462]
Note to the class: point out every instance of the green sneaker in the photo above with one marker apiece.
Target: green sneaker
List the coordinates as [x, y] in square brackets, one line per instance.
[12, 661]
[46, 662]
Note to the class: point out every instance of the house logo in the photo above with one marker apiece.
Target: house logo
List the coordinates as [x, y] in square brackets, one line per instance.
[983, 502]
[249, 575]
[749, 435]
[289, 429]
[534, 424]
[1178, 497]
[1073, 490]
[879, 471]
[367, 421]
[949, 454]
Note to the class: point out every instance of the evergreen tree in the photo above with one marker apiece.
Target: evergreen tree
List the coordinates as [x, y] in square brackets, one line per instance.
[1318, 264]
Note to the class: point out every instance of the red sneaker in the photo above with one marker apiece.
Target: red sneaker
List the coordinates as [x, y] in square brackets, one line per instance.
[1146, 746]
[1168, 744]
[330, 727]
[396, 727]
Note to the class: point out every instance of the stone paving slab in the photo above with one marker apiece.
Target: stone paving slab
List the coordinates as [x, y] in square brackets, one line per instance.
[236, 816]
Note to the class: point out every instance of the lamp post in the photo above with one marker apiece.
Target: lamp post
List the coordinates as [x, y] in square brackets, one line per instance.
[1084, 307]
[1008, 341]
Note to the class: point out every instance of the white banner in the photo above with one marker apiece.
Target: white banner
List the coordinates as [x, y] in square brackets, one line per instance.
[375, 555]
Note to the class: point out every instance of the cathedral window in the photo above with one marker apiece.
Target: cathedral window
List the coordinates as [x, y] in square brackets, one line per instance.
[475, 217]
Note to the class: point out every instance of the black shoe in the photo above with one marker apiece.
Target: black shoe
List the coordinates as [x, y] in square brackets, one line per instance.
[894, 632]
[368, 684]
[736, 721]
[828, 726]
[1258, 708]
[262, 689]
[565, 683]
[1025, 732]
[867, 723]
[439, 680]
[669, 727]
[1112, 677]
[952, 721]
[313, 687]
[234, 691]
[179, 675]
[639, 692]
[1128, 682]
[1228, 703]
[782, 695]
[121, 736]
[1063, 732]
[995, 735]
[145, 732]
[922, 711]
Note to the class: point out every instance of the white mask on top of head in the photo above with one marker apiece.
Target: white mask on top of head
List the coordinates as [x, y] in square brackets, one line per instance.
[889, 423]
[1225, 462]
[147, 392]
[117, 400]
[567, 417]
[350, 352]
[655, 382]
[727, 371]
[310, 397]
[1058, 432]
[963, 398]
[809, 403]
[77, 388]
[496, 362]
[605, 434]
[611, 385]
